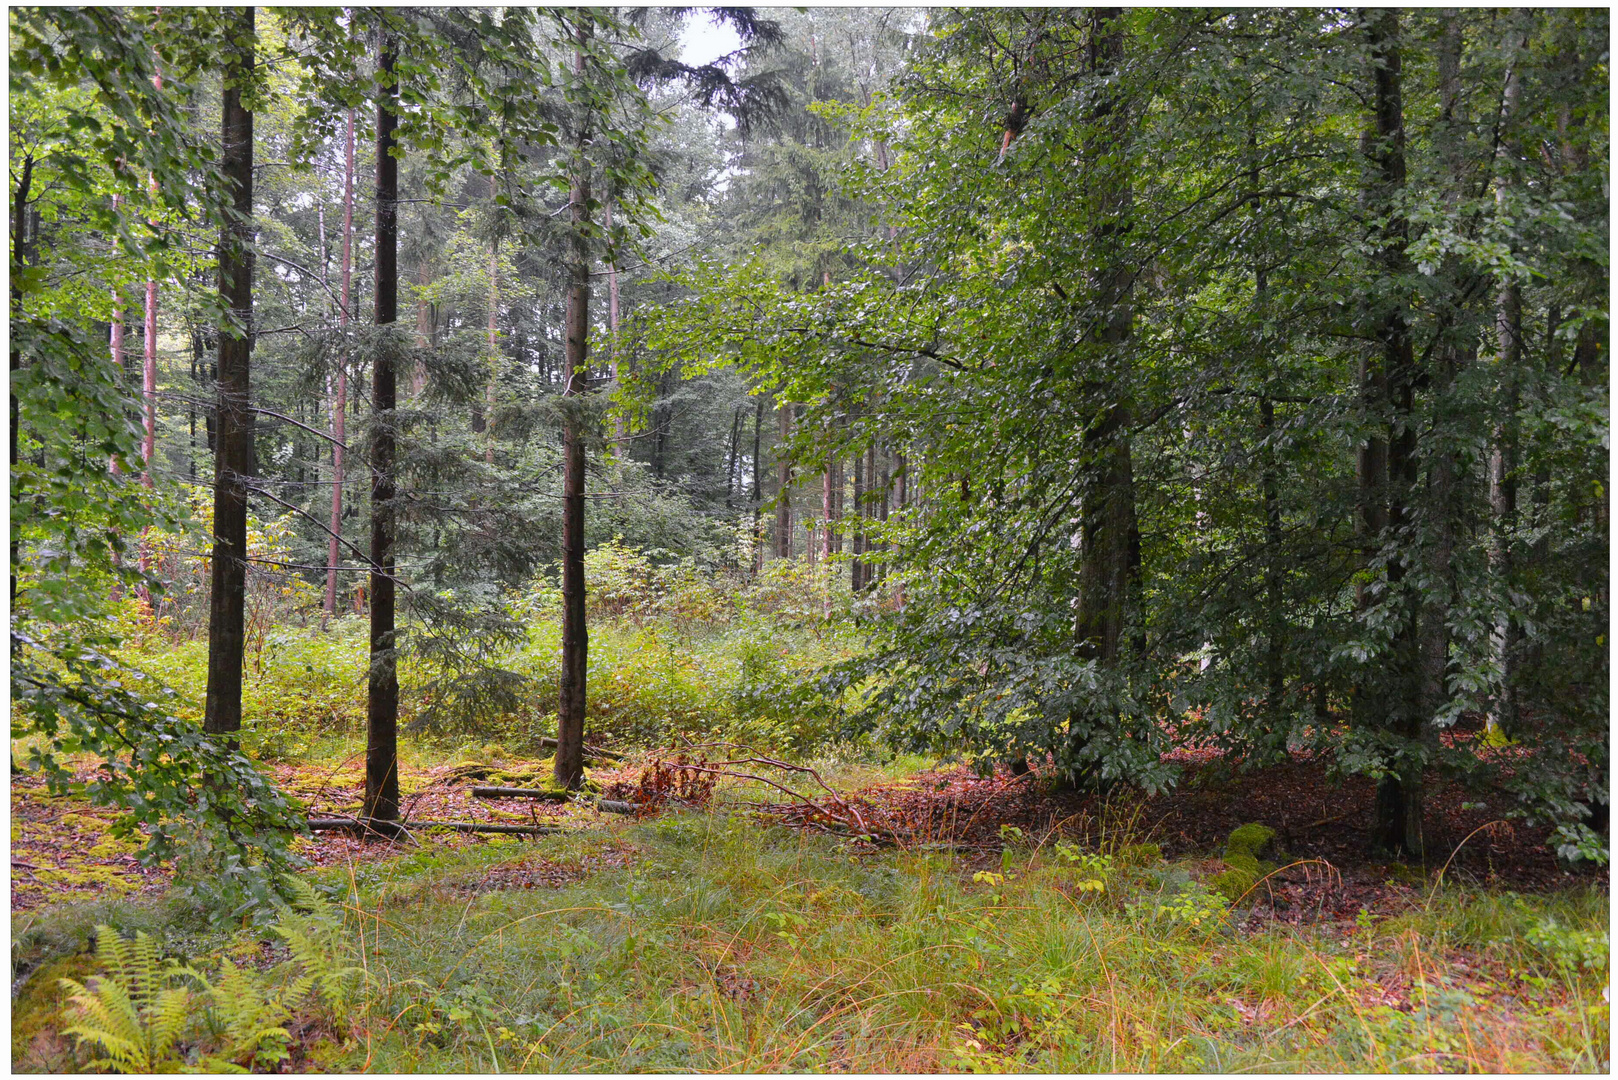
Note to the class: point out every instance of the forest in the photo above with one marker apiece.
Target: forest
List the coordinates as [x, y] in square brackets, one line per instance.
[809, 539]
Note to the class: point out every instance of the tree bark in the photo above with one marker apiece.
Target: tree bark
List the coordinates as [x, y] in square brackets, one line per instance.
[620, 426]
[382, 704]
[758, 492]
[1108, 566]
[494, 348]
[1503, 464]
[339, 409]
[569, 761]
[783, 502]
[227, 601]
[115, 333]
[1399, 802]
[856, 581]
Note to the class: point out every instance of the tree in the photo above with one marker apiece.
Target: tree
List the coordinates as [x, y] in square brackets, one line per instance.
[233, 455]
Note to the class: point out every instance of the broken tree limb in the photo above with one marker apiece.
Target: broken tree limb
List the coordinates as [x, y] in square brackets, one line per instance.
[552, 794]
[393, 828]
[614, 806]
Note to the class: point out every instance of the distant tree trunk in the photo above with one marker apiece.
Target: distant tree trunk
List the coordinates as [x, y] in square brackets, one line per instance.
[783, 502]
[732, 458]
[758, 491]
[227, 601]
[901, 473]
[115, 333]
[339, 408]
[1399, 802]
[1451, 356]
[620, 426]
[1503, 464]
[148, 379]
[382, 705]
[856, 564]
[494, 348]
[569, 761]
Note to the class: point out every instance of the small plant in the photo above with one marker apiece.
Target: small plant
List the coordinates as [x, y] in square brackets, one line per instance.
[1091, 867]
[1193, 907]
[1568, 949]
[134, 1013]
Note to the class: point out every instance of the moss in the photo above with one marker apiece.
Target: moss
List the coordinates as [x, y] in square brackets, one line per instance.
[88, 875]
[36, 1016]
[1244, 872]
[1252, 840]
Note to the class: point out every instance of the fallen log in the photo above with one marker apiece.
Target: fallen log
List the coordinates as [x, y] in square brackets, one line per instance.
[612, 806]
[394, 828]
[488, 792]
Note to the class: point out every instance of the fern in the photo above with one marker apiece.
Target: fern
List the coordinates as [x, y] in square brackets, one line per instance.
[316, 940]
[132, 1013]
[248, 1020]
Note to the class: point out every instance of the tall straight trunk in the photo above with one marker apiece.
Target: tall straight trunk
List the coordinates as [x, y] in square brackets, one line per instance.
[425, 336]
[115, 333]
[856, 564]
[494, 347]
[569, 762]
[1451, 356]
[732, 460]
[1399, 802]
[758, 490]
[1108, 549]
[227, 599]
[620, 425]
[1503, 464]
[148, 376]
[382, 703]
[22, 251]
[783, 464]
[901, 475]
[339, 408]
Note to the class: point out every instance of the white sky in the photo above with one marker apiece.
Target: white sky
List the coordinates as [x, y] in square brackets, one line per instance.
[702, 40]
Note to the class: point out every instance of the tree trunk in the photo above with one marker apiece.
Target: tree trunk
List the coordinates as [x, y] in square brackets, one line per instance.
[1108, 567]
[569, 761]
[856, 564]
[115, 333]
[1507, 636]
[732, 462]
[783, 502]
[339, 409]
[1451, 355]
[620, 426]
[1399, 802]
[382, 705]
[227, 601]
[758, 492]
[494, 348]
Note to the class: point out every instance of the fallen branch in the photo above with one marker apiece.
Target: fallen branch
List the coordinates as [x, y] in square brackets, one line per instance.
[589, 751]
[614, 806]
[551, 794]
[392, 829]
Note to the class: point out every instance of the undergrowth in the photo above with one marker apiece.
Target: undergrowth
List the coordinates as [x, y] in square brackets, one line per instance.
[715, 944]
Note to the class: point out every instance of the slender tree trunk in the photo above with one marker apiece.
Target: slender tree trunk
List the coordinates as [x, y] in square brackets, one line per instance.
[732, 459]
[569, 761]
[382, 705]
[1503, 464]
[1399, 803]
[494, 348]
[227, 601]
[339, 409]
[856, 564]
[115, 334]
[901, 473]
[758, 491]
[620, 426]
[1451, 356]
[1108, 560]
[783, 502]
[22, 252]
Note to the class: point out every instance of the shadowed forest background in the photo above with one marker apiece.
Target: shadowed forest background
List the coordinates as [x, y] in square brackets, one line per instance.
[967, 540]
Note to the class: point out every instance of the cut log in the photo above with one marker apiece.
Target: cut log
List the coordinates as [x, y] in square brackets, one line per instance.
[393, 828]
[612, 806]
[551, 794]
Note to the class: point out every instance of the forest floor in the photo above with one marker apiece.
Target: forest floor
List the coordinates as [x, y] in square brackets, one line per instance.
[982, 924]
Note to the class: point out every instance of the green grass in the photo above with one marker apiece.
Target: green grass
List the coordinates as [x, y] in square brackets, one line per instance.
[723, 945]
